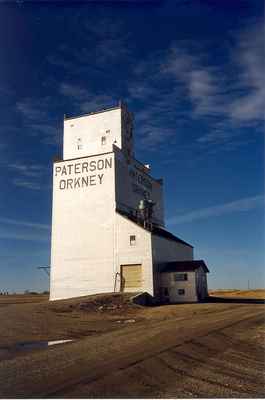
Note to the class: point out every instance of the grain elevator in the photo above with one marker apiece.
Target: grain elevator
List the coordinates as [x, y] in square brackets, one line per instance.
[108, 228]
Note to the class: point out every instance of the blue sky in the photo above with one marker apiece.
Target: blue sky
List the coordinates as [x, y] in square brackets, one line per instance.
[192, 73]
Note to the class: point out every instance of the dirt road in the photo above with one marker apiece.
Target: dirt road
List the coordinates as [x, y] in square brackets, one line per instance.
[198, 350]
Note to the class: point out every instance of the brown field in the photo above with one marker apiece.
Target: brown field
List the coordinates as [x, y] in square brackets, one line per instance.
[122, 350]
[249, 294]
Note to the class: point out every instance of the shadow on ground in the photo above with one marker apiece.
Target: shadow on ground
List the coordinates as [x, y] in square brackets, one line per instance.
[237, 300]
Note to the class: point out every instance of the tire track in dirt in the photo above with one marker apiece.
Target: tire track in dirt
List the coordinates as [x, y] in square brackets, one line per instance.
[220, 383]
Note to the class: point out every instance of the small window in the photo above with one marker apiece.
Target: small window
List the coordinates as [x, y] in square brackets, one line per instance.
[181, 292]
[132, 240]
[103, 140]
[181, 277]
[79, 144]
[107, 131]
[166, 292]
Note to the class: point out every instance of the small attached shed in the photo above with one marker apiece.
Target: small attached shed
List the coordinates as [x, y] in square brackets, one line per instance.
[183, 281]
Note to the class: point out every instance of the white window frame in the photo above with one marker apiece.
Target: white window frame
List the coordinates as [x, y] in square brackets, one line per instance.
[179, 275]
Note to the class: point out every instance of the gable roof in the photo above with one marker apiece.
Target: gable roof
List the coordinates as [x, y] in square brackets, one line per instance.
[183, 266]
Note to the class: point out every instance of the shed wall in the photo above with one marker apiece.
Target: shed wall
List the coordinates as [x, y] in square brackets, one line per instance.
[168, 281]
[166, 250]
[201, 283]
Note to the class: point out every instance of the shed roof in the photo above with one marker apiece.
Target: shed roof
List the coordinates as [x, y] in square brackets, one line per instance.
[183, 266]
[168, 235]
[156, 230]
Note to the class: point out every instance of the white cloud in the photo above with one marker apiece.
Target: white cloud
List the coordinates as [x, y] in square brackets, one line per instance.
[84, 99]
[140, 91]
[98, 102]
[48, 133]
[250, 57]
[38, 119]
[24, 237]
[28, 170]
[242, 205]
[26, 184]
[33, 109]
[27, 224]
[28, 175]
[107, 43]
[74, 91]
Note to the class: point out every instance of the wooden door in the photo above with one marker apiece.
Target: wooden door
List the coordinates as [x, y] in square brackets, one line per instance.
[131, 278]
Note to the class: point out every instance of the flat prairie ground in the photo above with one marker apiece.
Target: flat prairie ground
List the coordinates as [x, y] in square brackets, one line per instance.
[123, 350]
[245, 294]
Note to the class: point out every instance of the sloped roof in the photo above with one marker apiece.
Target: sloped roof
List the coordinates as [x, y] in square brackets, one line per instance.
[183, 266]
[155, 229]
[168, 235]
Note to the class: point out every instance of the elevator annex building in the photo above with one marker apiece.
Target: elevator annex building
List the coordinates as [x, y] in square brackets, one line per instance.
[108, 229]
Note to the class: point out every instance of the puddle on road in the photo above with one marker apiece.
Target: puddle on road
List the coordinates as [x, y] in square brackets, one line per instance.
[23, 347]
[40, 344]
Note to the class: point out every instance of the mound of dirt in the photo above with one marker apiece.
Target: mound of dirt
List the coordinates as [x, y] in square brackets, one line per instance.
[107, 302]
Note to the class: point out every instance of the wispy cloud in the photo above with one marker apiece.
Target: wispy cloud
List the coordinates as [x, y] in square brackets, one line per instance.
[84, 99]
[108, 44]
[28, 175]
[26, 184]
[24, 237]
[14, 229]
[33, 110]
[98, 102]
[28, 170]
[227, 101]
[200, 82]
[74, 91]
[27, 224]
[38, 119]
[249, 106]
[242, 205]
[239, 98]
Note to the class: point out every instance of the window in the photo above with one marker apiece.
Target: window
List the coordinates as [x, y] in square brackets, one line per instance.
[132, 240]
[181, 277]
[103, 140]
[79, 144]
[181, 291]
[108, 131]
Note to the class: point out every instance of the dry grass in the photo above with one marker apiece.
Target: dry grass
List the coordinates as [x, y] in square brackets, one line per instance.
[250, 294]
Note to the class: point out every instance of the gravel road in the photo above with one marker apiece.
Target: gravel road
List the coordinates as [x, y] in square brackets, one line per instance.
[203, 350]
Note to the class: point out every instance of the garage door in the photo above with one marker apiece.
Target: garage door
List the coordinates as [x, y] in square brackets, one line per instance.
[131, 278]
